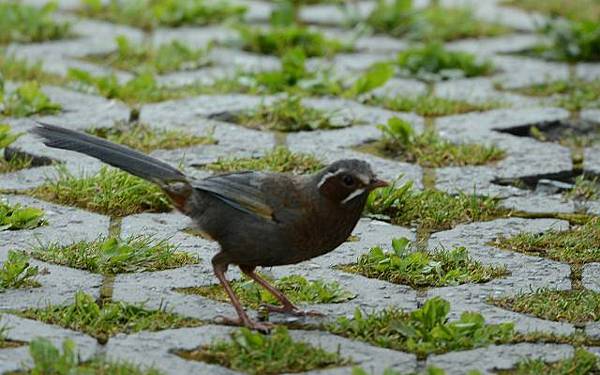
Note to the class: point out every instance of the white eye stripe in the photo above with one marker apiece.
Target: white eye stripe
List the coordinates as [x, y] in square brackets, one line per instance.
[353, 195]
[328, 175]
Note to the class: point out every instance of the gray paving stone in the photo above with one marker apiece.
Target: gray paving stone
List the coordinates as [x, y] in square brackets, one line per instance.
[591, 276]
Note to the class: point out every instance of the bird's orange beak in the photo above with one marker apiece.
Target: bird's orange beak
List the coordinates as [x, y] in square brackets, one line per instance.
[377, 183]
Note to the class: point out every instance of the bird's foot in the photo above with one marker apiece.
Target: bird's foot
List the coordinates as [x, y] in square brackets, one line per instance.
[290, 309]
[263, 327]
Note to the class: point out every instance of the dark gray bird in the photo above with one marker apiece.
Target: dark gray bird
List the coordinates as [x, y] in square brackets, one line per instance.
[258, 219]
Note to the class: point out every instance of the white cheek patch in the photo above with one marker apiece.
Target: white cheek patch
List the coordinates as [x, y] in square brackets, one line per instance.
[364, 179]
[327, 176]
[353, 195]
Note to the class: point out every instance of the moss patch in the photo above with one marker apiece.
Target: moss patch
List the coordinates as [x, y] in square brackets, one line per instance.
[573, 306]
[401, 19]
[27, 24]
[110, 192]
[165, 58]
[146, 139]
[422, 269]
[85, 315]
[431, 106]
[581, 363]
[149, 14]
[573, 95]
[578, 245]
[428, 149]
[431, 209]
[295, 287]
[254, 353]
[16, 272]
[423, 331]
[279, 160]
[115, 255]
[288, 115]
[433, 61]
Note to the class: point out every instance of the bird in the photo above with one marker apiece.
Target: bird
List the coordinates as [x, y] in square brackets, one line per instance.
[259, 219]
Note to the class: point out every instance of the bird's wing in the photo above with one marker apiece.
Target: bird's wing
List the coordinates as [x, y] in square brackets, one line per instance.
[245, 191]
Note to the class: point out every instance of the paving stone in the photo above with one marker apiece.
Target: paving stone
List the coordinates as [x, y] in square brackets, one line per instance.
[591, 276]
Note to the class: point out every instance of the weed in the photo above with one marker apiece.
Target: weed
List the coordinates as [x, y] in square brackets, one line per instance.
[47, 359]
[113, 255]
[431, 209]
[377, 75]
[279, 159]
[254, 353]
[7, 137]
[146, 139]
[584, 189]
[165, 58]
[423, 331]
[430, 106]
[27, 100]
[581, 363]
[16, 272]
[296, 287]
[433, 60]
[400, 18]
[570, 41]
[578, 245]
[287, 115]
[110, 191]
[428, 149]
[26, 24]
[150, 14]
[17, 217]
[573, 95]
[573, 306]
[16, 69]
[278, 40]
[422, 269]
[86, 315]
[580, 10]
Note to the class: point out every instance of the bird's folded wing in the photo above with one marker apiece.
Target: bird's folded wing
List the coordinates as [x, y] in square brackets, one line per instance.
[242, 191]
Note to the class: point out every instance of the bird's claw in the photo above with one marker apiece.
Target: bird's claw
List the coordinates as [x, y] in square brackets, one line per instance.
[262, 327]
[292, 310]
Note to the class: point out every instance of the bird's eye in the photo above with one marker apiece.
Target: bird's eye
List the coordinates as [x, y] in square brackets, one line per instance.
[348, 180]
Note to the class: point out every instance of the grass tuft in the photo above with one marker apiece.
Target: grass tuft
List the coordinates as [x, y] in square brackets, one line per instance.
[278, 160]
[101, 321]
[278, 40]
[432, 61]
[165, 58]
[401, 19]
[423, 331]
[254, 353]
[573, 95]
[581, 363]
[431, 209]
[16, 69]
[422, 269]
[584, 189]
[428, 149]
[146, 139]
[150, 14]
[580, 10]
[16, 272]
[110, 192]
[288, 115]
[16, 217]
[115, 255]
[28, 24]
[578, 245]
[7, 137]
[431, 106]
[296, 287]
[47, 359]
[573, 306]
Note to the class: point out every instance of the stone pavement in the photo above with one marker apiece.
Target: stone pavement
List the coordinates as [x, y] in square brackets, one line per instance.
[526, 158]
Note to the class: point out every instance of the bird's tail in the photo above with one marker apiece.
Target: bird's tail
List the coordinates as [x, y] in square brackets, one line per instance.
[122, 157]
